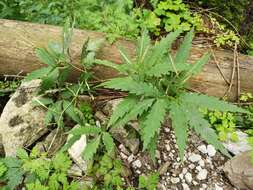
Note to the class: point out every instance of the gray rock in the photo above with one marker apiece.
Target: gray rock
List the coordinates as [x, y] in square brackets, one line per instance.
[194, 157]
[211, 150]
[22, 123]
[239, 170]
[75, 171]
[202, 149]
[175, 180]
[75, 152]
[188, 177]
[137, 164]
[240, 146]
[111, 106]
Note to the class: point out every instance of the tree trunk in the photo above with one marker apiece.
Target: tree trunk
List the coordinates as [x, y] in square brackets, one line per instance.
[18, 41]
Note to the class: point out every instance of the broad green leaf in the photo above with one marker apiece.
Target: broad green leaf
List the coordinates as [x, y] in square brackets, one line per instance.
[22, 154]
[50, 80]
[122, 109]
[210, 102]
[136, 111]
[91, 148]
[87, 130]
[45, 57]
[161, 48]
[108, 142]
[184, 50]
[124, 56]
[180, 126]
[132, 86]
[38, 74]
[153, 121]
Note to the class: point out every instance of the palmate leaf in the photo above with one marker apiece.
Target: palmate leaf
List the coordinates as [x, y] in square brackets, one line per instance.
[184, 50]
[132, 86]
[153, 121]
[70, 111]
[180, 126]
[161, 48]
[210, 102]
[202, 127]
[139, 108]
[91, 148]
[124, 56]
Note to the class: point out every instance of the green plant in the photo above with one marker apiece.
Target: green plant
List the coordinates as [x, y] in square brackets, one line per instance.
[156, 84]
[224, 123]
[149, 182]
[7, 87]
[36, 171]
[175, 14]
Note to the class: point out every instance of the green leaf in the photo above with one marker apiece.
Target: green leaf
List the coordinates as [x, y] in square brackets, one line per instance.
[70, 142]
[91, 148]
[153, 121]
[122, 109]
[209, 102]
[161, 48]
[50, 80]
[144, 43]
[48, 117]
[108, 142]
[180, 126]
[3, 169]
[45, 57]
[136, 111]
[42, 101]
[22, 154]
[87, 130]
[122, 68]
[61, 162]
[70, 111]
[203, 128]
[126, 59]
[132, 86]
[184, 50]
[38, 74]
[15, 178]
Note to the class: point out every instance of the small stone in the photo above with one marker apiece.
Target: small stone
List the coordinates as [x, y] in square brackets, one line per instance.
[201, 163]
[204, 186]
[181, 176]
[167, 130]
[137, 164]
[185, 186]
[138, 171]
[164, 168]
[175, 180]
[195, 183]
[167, 146]
[188, 177]
[194, 157]
[184, 171]
[217, 187]
[198, 168]
[123, 156]
[130, 158]
[202, 149]
[202, 174]
[211, 150]
[192, 166]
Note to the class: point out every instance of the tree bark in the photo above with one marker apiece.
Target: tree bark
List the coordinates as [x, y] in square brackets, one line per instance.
[18, 41]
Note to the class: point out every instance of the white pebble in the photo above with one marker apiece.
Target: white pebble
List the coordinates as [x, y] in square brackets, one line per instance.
[201, 163]
[130, 158]
[202, 174]
[188, 177]
[167, 146]
[211, 150]
[137, 164]
[194, 157]
[198, 168]
[192, 166]
[202, 148]
[175, 180]
[184, 171]
[185, 186]
[181, 176]
[217, 187]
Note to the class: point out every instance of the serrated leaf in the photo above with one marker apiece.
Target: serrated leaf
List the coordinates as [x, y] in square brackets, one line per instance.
[108, 142]
[87, 130]
[180, 126]
[184, 50]
[45, 57]
[91, 148]
[122, 109]
[48, 117]
[50, 80]
[136, 111]
[22, 154]
[70, 111]
[122, 68]
[70, 142]
[42, 101]
[132, 86]
[161, 49]
[153, 121]
[210, 102]
[15, 177]
[124, 56]
[203, 128]
[38, 74]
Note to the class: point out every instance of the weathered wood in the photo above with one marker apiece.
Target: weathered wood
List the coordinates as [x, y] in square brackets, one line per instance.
[18, 41]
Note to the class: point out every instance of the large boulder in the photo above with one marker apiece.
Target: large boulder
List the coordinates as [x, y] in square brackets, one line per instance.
[239, 170]
[21, 122]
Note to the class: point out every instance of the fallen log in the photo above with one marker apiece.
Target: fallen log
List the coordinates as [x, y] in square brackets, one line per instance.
[18, 41]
